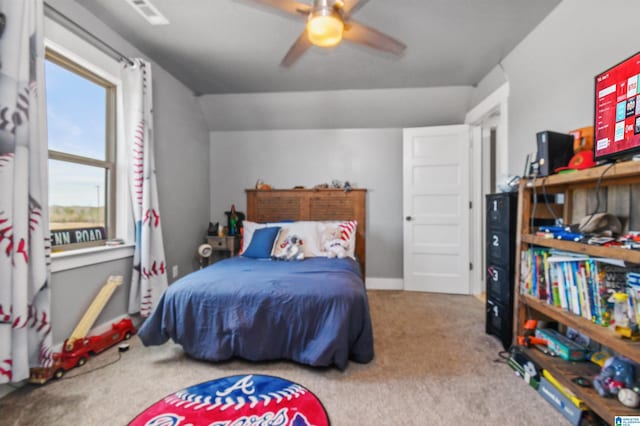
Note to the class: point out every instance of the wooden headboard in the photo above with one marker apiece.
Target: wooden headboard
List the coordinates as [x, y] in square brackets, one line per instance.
[278, 205]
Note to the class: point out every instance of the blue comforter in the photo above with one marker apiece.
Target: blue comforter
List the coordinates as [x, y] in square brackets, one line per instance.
[313, 311]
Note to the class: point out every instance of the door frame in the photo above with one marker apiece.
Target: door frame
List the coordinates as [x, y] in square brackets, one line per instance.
[494, 104]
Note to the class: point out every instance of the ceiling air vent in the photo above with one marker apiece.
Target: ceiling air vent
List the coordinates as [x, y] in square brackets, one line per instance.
[148, 12]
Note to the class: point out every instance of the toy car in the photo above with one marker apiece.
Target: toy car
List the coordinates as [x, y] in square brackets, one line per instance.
[569, 236]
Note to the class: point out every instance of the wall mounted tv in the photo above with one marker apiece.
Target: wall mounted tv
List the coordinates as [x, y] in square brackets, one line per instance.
[617, 111]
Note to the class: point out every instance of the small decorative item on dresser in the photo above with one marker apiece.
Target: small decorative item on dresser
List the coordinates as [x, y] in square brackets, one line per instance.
[263, 186]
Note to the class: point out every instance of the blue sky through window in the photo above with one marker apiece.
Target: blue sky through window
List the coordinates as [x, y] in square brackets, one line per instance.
[76, 121]
[73, 184]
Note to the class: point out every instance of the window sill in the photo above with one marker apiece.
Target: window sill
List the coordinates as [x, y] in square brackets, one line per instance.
[89, 256]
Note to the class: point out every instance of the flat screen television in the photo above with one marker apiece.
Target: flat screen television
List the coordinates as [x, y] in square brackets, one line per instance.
[617, 111]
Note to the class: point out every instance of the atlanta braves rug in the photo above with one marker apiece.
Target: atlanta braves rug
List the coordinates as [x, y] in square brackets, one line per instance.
[245, 400]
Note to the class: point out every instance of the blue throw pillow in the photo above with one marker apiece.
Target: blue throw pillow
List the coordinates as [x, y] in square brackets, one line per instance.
[262, 243]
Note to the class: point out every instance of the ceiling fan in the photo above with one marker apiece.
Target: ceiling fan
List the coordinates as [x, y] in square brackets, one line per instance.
[328, 23]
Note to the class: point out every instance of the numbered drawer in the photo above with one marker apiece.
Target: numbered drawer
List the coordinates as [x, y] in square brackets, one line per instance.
[500, 211]
[499, 247]
[499, 283]
[499, 322]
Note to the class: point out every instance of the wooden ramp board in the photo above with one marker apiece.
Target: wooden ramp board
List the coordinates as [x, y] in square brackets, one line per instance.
[94, 310]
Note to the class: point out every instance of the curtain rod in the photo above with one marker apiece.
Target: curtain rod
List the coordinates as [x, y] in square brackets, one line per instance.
[77, 29]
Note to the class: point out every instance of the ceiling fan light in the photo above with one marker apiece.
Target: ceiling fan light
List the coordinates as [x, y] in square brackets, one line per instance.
[325, 30]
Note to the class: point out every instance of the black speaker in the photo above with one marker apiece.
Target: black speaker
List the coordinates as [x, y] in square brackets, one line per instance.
[554, 150]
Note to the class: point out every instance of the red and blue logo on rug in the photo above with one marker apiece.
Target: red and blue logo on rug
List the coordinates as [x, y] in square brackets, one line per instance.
[245, 400]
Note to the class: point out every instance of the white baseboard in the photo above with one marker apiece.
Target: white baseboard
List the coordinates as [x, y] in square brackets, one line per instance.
[384, 283]
[6, 389]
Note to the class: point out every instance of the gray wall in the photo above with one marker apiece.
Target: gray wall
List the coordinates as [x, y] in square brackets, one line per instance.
[367, 158]
[551, 71]
[182, 146]
[489, 83]
[306, 138]
[73, 290]
[338, 109]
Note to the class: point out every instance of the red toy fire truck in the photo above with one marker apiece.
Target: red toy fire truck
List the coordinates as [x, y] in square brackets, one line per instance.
[78, 347]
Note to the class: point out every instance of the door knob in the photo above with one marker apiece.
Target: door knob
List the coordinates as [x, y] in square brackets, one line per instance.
[409, 218]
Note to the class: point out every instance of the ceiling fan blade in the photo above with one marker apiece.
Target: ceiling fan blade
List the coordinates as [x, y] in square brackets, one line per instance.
[349, 7]
[362, 34]
[291, 7]
[301, 45]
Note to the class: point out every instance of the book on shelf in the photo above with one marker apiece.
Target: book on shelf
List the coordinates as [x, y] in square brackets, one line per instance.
[575, 283]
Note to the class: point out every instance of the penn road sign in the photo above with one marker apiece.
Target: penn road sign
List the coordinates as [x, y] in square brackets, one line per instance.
[61, 237]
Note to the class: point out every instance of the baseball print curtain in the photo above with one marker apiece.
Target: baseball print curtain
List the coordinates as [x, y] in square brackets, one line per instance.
[25, 329]
[149, 278]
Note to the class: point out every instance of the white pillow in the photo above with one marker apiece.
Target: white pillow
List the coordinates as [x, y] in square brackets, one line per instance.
[307, 231]
[311, 233]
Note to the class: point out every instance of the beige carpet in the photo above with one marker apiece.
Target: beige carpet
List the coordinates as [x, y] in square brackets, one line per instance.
[434, 365]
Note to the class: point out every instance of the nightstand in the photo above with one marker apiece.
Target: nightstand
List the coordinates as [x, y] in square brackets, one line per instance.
[230, 244]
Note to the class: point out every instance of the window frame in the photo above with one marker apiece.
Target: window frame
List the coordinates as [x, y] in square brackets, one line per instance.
[109, 164]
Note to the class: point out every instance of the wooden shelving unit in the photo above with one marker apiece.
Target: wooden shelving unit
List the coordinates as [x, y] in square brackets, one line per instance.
[631, 256]
[626, 174]
[564, 371]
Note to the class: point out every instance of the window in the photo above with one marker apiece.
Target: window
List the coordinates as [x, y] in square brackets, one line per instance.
[81, 134]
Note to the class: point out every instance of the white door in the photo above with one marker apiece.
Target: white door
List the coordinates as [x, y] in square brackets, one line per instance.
[436, 209]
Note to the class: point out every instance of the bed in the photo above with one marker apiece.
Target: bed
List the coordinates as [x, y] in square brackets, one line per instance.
[314, 311]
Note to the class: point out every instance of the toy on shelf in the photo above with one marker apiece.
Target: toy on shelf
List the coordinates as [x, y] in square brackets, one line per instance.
[631, 240]
[620, 309]
[524, 367]
[629, 397]
[599, 357]
[78, 347]
[561, 345]
[624, 321]
[630, 332]
[616, 374]
[560, 233]
[603, 223]
[529, 339]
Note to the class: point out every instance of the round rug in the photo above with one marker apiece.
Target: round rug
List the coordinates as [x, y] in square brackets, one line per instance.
[237, 400]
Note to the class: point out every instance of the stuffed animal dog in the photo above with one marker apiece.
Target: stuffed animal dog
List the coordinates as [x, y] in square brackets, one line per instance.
[291, 248]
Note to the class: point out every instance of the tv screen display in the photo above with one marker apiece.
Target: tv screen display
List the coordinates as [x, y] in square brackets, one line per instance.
[617, 110]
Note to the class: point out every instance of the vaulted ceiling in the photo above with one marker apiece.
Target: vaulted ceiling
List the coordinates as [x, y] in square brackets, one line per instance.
[235, 46]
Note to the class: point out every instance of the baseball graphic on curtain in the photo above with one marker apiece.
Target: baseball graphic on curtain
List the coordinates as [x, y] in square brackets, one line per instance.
[25, 328]
[149, 275]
